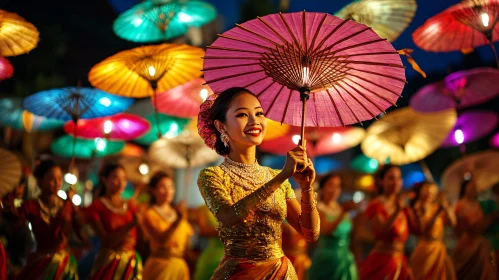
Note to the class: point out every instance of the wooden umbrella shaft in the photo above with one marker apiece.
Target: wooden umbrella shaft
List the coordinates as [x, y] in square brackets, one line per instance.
[426, 171]
[154, 86]
[304, 96]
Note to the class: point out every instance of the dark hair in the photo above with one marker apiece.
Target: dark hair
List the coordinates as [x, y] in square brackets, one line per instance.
[44, 167]
[462, 188]
[105, 171]
[325, 178]
[218, 111]
[153, 184]
[23, 180]
[417, 187]
[495, 187]
[380, 175]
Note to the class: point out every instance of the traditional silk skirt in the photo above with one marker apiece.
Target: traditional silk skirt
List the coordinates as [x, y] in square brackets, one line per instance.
[60, 265]
[430, 261]
[239, 269]
[385, 265]
[172, 268]
[474, 259]
[112, 264]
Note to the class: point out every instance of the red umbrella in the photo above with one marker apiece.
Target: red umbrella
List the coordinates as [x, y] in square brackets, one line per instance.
[458, 90]
[466, 25]
[183, 101]
[471, 126]
[308, 69]
[6, 69]
[118, 127]
[320, 141]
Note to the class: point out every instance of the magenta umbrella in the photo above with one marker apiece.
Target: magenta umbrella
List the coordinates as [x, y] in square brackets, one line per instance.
[6, 69]
[494, 142]
[458, 90]
[338, 71]
[122, 126]
[183, 101]
[471, 126]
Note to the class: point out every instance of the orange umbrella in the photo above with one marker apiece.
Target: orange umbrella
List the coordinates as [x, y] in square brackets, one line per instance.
[17, 36]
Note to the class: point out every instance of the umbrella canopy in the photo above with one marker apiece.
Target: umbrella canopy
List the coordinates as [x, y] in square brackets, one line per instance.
[138, 169]
[141, 107]
[84, 148]
[159, 20]
[72, 103]
[494, 142]
[405, 136]
[132, 150]
[388, 18]
[320, 141]
[340, 72]
[364, 164]
[118, 127]
[471, 126]
[185, 150]
[12, 115]
[458, 90]
[6, 69]
[141, 71]
[17, 36]
[170, 126]
[481, 166]
[466, 25]
[10, 171]
[183, 101]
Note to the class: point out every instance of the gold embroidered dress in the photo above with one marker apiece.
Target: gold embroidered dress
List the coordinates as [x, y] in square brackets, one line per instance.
[252, 248]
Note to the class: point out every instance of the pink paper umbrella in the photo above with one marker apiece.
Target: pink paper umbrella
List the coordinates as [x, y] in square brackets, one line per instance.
[458, 90]
[494, 142]
[183, 101]
[320, 141]
[308, 69]
[6, 69]
[118, 127]
[471, 126]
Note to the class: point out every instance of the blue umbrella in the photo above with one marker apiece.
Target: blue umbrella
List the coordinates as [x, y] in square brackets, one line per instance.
[73, 103]
[412, 174]
[11, 114]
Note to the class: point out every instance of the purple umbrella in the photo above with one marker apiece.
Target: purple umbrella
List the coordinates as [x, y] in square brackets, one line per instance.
[458, 90]
[471, 126]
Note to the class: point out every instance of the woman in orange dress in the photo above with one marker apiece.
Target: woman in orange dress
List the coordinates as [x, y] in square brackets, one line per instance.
[427, 219]
[473, 256]
[114, 221]
[168, 232]
[390, 226]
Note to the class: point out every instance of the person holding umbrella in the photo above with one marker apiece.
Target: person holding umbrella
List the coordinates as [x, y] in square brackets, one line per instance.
[251, 201]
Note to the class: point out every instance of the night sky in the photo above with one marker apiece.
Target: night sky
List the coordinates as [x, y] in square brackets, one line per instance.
[75, 35]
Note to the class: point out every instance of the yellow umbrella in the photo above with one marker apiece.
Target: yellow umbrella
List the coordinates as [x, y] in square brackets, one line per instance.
[388, 18]
[481, 166]
[144, 71]
[10, 171]
[405, 136]
[17, 36]
[140, 72]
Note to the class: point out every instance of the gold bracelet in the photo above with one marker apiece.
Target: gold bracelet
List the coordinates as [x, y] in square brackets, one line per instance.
[308, 207]
[307, 190]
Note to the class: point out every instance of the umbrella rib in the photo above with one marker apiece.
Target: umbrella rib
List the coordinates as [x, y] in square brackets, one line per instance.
[364, 54]
[317, 31]
[335, 107]
[263, 90]
[365, 88]
[394, 65]
[232, 49]
[351, 46]
[229, 66]
[231, 57]
[275, 98]
[291, 33]
[344, 39]
[353, 113]
[329, 35]
[256, 34]
[286, 108]
[256, 81]
[356, 99]
[233, 76]
[243, 41]
[378, 74]
[272, 29]
[364, 96]
[304, 31]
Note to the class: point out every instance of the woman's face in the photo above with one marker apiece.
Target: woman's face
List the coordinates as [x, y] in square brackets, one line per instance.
[392, 181]
[428, 193]
[115, 183]
[51, 181]
[245, 121]
[331, 190]
[471, 191]
[164, 192]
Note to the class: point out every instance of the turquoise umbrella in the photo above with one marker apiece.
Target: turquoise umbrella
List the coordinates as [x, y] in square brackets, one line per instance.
[84, 148]
[364, 164]
[11, 115]
[159, 20]
[172, 125]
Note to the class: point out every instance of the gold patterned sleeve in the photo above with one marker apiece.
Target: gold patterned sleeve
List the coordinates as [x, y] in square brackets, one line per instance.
[213, 190]
[290, 193]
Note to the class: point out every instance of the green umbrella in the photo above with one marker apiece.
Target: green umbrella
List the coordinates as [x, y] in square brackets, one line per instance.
[159, 20]
[85, 148]
[172, 126]
[364, 164]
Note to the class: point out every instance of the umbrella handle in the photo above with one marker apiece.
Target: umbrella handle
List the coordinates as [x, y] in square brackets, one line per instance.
[154, 86]
[304, 96]
[426, 171]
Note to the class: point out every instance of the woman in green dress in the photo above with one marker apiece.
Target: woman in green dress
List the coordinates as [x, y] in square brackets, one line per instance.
[332, 258]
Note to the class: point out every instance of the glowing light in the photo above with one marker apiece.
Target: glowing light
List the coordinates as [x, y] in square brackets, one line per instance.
[76, 200]
[144, 169]
[366, 182]
[136, 22]
[29, 226]
[105, 101]
[174, 127]
[296, 139]
[204, 94]
[125, 123]
[467, 176]
[151, 70]
[306, 76]
[108, 127]
[70, 178]
[373, 163]
[358, 196]
[336, 138]
[183, 17]
[62, 194]
[485, 20]
[459, 136]
[100, 144]
[170, 135]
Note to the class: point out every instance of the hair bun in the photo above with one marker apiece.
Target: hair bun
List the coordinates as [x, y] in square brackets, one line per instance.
[206, 128]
